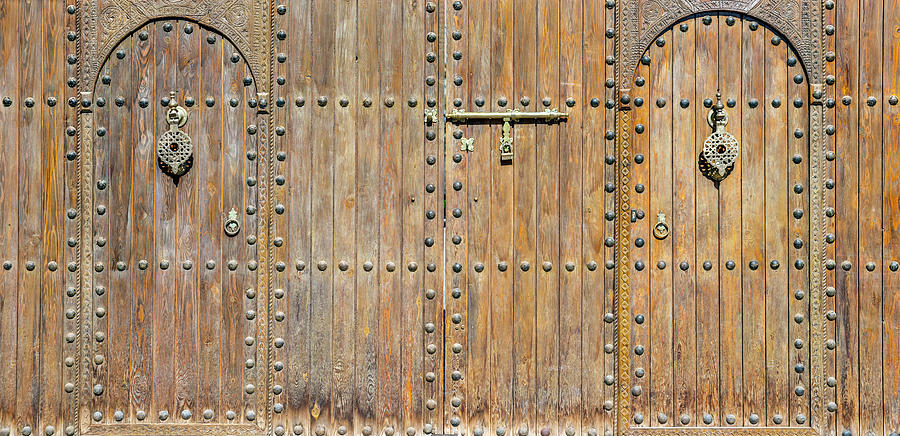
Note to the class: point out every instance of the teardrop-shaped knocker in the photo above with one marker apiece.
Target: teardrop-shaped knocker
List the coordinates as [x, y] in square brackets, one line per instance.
[174, 150]
[720, 150]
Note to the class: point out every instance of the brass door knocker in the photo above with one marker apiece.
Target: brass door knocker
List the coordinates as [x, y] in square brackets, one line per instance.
[661, 229]
[720, 150]
[232, 225]
[174, 150]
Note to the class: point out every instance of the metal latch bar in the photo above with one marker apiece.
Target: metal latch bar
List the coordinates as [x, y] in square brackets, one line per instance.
[508, 117]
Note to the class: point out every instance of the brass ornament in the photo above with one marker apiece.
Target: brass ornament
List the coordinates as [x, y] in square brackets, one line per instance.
[661, 229]
[720, 150]
[232, 225]
[175, 150]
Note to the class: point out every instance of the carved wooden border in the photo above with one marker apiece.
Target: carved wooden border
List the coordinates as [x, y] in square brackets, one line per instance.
[638, 22]
[250, 26]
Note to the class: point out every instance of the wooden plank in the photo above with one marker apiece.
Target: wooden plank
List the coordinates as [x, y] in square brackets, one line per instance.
[525, 219]
[165, 232]
[753, 221]
[367, 217]
[891, 220]
[871, 72]
[344, 216]
[210, 160]
[433, 315]
[847, 230]
[73, 299]
[660, 262]
[143, 56]
[831, 367]
[499, 299]
[457, 402]
[389, 329]
[730, 230]
[121, 169]
[9, 218]
[297, 127]
[683, 224]
[777, 340]
[233, 249]
[30, 216]
[412, 192]
[798, 202]
[187, 228]
[248, 188]
[322, 224]
[547, 144]
[570, 217]
[707, 234]
[53, 261]
[477, 217]
[643, 219]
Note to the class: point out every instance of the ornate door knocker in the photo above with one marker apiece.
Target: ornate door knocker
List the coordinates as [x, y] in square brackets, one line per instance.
[174, 150]
[661, 229]
[232, 225]
[720, 150]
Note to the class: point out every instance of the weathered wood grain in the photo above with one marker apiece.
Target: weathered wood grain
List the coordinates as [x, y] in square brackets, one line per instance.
[707, 232]
[683, 224]
[547, 144]
[730, 228]
[660, 261]
[753, 222]
[343, 322]
[498, 225]
[571, 26]
[777, 292]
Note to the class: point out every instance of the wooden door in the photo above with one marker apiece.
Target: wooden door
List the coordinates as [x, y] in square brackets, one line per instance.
[720, 300]
[177, 331]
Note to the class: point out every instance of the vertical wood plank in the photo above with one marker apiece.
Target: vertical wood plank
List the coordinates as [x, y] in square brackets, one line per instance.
[548, 245]
[9, 201]
[187, 227]
[777, 342]
[661, 182]
[144, 52]
[683, 225]
[593, 175]
[891, 219]
[643, 218]
[707, 241]
[209, 259]
[730, 225]
[52, 262]
[298, 206]
[798, 225]
[122, 94]
[524, 219]
[234, 159]
[343, 320]
[871, 70]
[458, 403]
[434, 251]
[322, 224]
[412, 194]
[30, 215]
[477, 215]
[570, 219]
[753, 221]
[501, 266]
[389, 330]
[165, 233]
[368, 212]
[846, 228]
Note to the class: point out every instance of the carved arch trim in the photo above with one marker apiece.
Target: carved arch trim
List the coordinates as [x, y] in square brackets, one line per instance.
[798, 22]
[248, 24]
